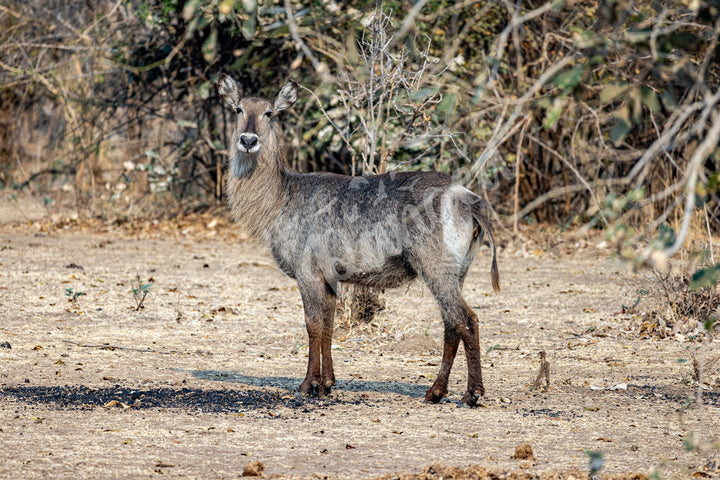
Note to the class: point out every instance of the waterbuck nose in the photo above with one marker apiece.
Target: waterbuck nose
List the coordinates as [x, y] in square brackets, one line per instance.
[248, 141]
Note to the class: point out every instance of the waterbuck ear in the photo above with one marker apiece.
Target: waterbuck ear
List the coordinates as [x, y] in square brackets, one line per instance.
[228, 90]
[286, 98]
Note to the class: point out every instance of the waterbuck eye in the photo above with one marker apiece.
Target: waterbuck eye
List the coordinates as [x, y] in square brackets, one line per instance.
[267, 113]
[239, 109]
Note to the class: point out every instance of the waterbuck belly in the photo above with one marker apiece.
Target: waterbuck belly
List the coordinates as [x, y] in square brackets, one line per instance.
[395, 271]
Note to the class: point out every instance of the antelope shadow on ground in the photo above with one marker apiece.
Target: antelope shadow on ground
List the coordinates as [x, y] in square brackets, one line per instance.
[291, 383]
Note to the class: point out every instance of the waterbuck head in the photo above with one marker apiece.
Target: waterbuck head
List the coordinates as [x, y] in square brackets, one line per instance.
[256, 133]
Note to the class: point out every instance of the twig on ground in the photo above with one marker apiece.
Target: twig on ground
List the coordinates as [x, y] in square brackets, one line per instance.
[543, 373]
[107, 346]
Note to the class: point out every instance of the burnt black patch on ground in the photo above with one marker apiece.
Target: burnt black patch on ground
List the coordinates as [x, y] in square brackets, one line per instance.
[191, 400]
[549, 413]
[679, 395]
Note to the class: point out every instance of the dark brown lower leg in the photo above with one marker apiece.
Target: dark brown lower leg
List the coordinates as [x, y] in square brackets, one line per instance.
[471, 342]
[312, 378]
[439, 388]
[319, 306]
[328, 374]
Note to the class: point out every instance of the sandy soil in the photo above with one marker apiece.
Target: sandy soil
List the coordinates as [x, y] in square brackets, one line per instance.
[202, 380]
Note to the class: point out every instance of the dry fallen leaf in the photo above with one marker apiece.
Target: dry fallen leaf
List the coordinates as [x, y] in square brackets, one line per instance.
[115, 403]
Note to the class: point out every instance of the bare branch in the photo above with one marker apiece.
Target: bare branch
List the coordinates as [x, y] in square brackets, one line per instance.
[320, 67]
[574, 170]
[521, 105]
[706, 147]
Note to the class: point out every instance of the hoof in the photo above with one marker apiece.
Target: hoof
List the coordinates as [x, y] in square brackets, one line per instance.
[310, 389]
[470, 399]
[325, 388]
[434, 395]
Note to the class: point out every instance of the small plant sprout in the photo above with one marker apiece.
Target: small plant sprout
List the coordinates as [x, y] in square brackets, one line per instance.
[73, 295]
[595, 461]
[140, 291]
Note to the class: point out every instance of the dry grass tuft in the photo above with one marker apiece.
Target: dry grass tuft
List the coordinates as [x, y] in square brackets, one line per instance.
[254, 469]
[523, 451]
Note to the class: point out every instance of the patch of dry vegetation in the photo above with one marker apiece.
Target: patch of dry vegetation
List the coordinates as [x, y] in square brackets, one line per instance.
[439, 471]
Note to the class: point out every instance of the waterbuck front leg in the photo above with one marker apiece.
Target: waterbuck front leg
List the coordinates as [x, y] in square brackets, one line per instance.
[327, 374]
[319, 305]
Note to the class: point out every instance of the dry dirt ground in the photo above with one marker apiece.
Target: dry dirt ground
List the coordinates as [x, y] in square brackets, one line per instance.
[202, 381]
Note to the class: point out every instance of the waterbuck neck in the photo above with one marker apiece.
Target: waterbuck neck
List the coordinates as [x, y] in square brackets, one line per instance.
[257, 196]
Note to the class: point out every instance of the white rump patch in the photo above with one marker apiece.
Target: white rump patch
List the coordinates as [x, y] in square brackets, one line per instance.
[457, 230]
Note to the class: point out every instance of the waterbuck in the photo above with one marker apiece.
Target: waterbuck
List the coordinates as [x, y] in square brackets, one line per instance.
[377, 231]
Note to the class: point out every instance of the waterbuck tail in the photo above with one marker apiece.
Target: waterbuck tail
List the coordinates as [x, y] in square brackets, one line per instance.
[479, 213]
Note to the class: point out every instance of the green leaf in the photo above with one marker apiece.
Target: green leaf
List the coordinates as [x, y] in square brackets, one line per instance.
[187, 123]
[595, 460]
[614, 90]
[706, 277]
[649, 99]
[714, 180]
[701, 195]
[249, 26]
[422, 94]
[668, 101]
[554, 111]
[204, 90]
[636, 194]
[569, 79]
[544, 102]
[666, 237]
[634, 95]
[709, 322]
[209, 48]
[189, 9]
[204, 21]
[226, 6]
[622, 126]
[447, 105]
[685, 40]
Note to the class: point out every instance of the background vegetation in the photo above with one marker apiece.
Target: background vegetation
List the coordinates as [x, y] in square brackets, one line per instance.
[587, 113]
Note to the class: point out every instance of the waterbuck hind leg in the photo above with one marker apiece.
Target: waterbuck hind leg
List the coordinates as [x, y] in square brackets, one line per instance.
[319, 306]
[439, 388]
[471, 342]
[460, 324]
